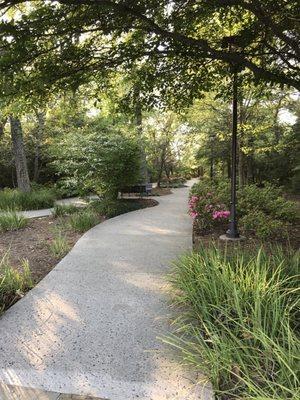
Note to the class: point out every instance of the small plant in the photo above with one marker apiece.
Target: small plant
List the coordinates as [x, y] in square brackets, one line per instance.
[83, 220]
[13, 199]
[61, 210]
[59, 245]
[13, 283]
[10, 221]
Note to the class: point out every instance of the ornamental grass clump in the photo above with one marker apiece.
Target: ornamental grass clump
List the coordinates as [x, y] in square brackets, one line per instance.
[11, 221]
[239, 321]
[13, 283]
[14, 199]
[84, 220]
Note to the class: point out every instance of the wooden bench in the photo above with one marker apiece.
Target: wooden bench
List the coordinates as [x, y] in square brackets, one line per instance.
[141, 190]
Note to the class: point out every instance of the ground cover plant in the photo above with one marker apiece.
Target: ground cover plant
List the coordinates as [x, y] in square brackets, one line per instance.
[13, 282]
[239, 321]
[14, 199]
[10, 221]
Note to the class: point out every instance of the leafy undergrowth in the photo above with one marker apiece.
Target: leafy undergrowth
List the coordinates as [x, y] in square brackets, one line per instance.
[239, 321]
[13, 283]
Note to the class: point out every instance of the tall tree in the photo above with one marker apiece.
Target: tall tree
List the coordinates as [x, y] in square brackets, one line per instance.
[19, 154]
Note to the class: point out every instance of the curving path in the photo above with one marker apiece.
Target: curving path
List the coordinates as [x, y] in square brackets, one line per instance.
[90, 327]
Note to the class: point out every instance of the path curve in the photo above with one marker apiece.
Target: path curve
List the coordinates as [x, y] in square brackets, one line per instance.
[91, 325]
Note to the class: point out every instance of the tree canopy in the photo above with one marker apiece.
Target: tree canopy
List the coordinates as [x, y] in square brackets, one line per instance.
[189, 44]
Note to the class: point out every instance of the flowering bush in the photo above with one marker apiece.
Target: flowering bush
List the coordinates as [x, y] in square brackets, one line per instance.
[262, 211]
[207, 209]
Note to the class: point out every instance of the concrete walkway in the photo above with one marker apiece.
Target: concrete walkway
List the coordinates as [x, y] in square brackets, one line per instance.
[90, 327]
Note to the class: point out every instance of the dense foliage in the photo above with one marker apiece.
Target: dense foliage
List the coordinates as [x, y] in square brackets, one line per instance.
[68, 41]
[102, 162]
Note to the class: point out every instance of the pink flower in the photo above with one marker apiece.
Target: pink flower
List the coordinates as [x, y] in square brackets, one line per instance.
[223, 214]
[194, 214]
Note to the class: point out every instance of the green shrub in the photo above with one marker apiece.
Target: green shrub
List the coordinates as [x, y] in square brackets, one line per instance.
[263, 226]
[61, 210]
[268, 200]
[59, 245]
[13, 199]
[239, 322]
[13, 283]
[111, 208]
[102, 162]
[10, 221]
[83, 220]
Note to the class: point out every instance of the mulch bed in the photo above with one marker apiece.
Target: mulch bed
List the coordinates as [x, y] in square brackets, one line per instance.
[208, 236]
[32, 242]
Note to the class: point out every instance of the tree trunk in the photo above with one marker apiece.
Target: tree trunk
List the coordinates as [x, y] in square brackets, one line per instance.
[19, 155]
[2, 126]
[38, 138]
[139, 126]
[167, 171]
[161, 166]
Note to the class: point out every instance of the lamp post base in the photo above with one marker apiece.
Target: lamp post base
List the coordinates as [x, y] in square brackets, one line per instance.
[231, 239]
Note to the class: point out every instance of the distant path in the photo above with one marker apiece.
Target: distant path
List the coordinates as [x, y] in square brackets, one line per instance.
[91, 325]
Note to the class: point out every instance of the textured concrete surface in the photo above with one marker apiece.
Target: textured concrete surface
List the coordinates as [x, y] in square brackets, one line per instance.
[90, 327]
[9, 392]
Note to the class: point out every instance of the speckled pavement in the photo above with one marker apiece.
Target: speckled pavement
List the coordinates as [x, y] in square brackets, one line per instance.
[8, 392]
[91, 326]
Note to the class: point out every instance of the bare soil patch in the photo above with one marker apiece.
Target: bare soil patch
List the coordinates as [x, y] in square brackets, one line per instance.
[208, 236]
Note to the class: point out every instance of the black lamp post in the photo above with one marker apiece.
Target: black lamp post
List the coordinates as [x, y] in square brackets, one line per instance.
[232, 232]
[231, 42]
